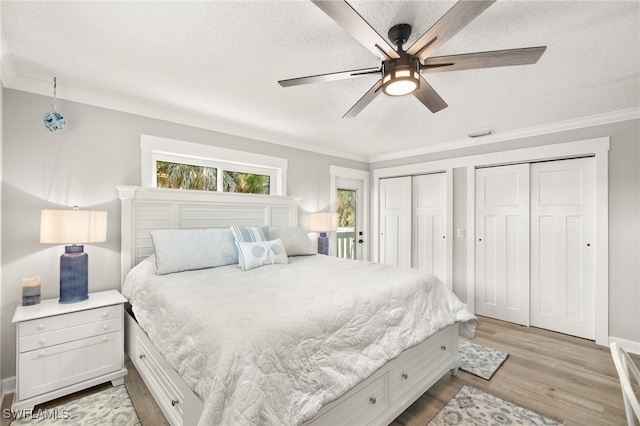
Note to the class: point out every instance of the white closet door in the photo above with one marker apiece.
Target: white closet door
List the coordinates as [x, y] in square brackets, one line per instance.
[502, 243]
[395, 221]
[563, 246]
[429, 245]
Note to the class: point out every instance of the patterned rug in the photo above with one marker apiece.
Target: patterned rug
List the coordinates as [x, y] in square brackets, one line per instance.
[109, 407]
[471, 406]
[480, 360]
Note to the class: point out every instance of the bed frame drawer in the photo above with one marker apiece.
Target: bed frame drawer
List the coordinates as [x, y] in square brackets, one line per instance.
[362, 405]
[408, 369]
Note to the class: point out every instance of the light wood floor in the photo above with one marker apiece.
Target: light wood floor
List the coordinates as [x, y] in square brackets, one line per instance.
[568, 379]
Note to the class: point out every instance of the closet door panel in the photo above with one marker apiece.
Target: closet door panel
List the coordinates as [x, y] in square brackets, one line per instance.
[395, 221]
[429, 224]
[563, 246]
[502, 243]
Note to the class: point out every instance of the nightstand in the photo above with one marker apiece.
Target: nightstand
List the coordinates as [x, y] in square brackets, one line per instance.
[64, 348]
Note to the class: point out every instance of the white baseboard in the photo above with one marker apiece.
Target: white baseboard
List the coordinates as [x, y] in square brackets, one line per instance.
[628, 345]
[8, 386]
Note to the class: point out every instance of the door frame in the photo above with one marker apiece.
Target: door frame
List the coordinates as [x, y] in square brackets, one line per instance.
[598, 147]
[355, 174]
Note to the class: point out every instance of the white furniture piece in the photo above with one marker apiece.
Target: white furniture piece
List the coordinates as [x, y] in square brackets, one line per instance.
[64, 348]
[378, 399]
[625, 365]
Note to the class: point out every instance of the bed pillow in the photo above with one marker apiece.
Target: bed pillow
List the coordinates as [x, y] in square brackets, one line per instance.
[260, 253]
[295, 240]
[180, 250]
[245, 234]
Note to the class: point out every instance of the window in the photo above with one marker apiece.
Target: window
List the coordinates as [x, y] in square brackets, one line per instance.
[169, 163]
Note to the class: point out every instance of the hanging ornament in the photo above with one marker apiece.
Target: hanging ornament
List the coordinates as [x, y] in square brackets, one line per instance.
[53, 120]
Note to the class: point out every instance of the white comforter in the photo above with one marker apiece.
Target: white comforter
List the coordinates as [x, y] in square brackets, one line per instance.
[274, 344]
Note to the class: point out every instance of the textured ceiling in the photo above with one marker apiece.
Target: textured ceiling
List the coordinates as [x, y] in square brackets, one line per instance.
[221, 60]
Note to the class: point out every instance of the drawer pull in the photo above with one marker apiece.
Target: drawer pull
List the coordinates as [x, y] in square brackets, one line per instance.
[106, 327]
[443, 347]
[104, 338]
[141, 356]
[372, 400]
[405, 376]
[41, 341]
[40, 326]
[174, 402]
[104, 314]
[42, 353]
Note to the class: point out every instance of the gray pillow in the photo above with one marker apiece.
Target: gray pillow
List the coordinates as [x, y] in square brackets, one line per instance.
[296, 241]
[180, 250]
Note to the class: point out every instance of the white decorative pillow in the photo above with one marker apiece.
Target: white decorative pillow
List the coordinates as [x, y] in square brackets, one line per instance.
[250, 233]
[295, 240]
[180, 250]
[261, 253]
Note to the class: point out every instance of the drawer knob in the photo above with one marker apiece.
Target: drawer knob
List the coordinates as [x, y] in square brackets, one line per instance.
[41, 341]
[104, 314]
[106, 327]
[372, 400]
[141, 356]
[405, 376]
[443, 347]
[174, 402]
[40, 326]
[104, 338]
[42, 353]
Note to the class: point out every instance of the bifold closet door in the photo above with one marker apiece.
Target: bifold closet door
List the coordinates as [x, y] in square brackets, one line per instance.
[429, 224]
[563, 246]
[395, 221]
[502, 243]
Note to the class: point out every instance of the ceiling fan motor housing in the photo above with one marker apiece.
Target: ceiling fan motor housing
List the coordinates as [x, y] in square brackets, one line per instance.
[401, 76]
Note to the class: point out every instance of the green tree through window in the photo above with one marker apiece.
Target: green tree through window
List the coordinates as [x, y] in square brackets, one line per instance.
[203, 178]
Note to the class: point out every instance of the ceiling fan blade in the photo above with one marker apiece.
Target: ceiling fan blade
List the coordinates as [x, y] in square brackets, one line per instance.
[494, 58]
[451, 22]
[328, 77]
[350, 20]
[365, 100]
[429, 97]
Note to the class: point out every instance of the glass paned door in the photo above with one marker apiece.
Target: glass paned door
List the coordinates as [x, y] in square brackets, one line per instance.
[347, 209]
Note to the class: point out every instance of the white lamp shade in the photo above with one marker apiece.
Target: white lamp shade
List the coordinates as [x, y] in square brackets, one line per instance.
[322, 222]
[73, 226]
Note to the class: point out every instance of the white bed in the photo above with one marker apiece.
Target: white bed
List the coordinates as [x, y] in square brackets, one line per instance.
[318, 339]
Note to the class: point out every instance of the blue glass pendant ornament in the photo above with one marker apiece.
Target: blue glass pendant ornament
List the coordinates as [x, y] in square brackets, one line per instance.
[53, 120]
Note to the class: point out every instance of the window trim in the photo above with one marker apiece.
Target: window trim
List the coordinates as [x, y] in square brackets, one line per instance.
[155, 148]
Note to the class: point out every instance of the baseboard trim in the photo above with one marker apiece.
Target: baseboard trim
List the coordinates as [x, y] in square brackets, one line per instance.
[8, 386]
[628, 345]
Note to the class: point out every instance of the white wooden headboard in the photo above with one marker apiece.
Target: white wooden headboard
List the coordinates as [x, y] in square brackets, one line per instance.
[145, 209]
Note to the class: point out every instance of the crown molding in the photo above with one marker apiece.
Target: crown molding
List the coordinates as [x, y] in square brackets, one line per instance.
[102, 100]
[578, 123]
[13, 81]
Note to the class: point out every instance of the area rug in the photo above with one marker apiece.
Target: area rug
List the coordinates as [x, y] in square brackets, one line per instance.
[471, 406]
[480, 360]
[109, 407]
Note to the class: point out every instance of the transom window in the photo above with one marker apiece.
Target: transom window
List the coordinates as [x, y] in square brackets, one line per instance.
[169, 163]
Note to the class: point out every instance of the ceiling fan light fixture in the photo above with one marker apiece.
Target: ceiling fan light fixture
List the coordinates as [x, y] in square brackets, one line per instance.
[401, 81]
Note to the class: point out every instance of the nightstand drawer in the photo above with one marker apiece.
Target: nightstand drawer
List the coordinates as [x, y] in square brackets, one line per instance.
[48, 369]
[59, 322]
[69, 334]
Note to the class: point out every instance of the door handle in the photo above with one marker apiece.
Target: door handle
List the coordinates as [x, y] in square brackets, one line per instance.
[360, 241]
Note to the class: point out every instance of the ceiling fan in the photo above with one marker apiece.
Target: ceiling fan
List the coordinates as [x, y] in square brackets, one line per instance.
[400, 71]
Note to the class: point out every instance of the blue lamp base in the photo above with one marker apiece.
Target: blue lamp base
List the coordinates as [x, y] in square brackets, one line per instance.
[74, 266]
[323, 243]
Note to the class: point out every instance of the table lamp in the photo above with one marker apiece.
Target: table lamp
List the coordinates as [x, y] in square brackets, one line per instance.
[74, 227]
[323, 222]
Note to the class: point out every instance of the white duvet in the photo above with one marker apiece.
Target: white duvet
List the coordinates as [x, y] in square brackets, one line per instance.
[274, 344]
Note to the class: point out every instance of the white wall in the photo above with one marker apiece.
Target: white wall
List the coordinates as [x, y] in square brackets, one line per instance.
[624, 214]
[82, 166]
